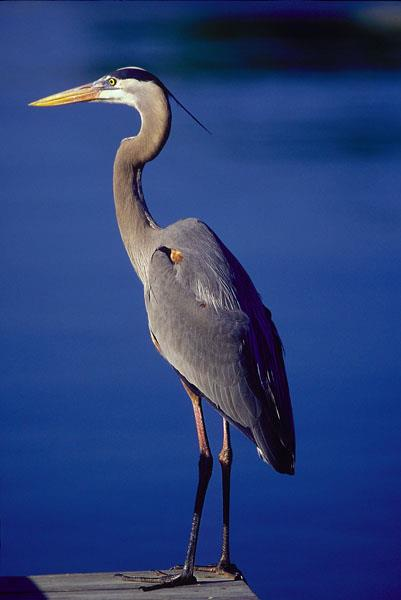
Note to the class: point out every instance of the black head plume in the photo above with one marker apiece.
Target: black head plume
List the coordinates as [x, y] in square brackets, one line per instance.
[135, 73]
[187, 111]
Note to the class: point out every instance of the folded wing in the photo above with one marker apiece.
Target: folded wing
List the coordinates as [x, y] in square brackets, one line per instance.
[212, 327]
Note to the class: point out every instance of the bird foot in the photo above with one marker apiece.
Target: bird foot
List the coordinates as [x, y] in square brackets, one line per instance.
[161, 580]
[224, 569]
[228, 570]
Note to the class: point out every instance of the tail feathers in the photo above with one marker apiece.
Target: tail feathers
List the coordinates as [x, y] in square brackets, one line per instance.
[276, 453]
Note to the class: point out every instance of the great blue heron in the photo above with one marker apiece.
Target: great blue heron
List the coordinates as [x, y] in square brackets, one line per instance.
[205, 315]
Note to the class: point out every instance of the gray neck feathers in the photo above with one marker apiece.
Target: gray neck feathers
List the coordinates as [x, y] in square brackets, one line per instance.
[137, 227]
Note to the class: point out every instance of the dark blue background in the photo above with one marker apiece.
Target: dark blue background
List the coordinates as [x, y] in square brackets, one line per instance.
[301, 179]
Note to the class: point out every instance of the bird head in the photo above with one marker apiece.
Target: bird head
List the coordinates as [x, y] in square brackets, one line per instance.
[132, 86]
[123, 86]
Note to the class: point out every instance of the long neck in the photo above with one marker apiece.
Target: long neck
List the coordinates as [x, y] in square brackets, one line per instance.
[137, 227]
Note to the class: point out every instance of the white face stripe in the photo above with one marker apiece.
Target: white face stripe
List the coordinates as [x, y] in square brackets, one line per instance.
[131, 92]
[118, 95]
[122, 68]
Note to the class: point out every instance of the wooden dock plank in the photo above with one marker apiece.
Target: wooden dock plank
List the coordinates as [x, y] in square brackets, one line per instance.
[107, 586]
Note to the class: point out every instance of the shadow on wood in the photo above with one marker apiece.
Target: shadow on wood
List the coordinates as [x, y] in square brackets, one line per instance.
[23, 588]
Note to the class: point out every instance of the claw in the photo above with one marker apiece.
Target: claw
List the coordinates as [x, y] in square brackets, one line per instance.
[160, 575]
[171, 581]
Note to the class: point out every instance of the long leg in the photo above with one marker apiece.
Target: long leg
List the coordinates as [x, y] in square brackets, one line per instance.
[205, 472]
[225, 459]
[224, 566]
[186, 576]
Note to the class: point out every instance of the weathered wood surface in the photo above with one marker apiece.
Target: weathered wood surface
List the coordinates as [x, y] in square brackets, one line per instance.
[107, 586]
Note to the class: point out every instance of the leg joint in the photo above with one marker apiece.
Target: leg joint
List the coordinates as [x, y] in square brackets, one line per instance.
[226, 457]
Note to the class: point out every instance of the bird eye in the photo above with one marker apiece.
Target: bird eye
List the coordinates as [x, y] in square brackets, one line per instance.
[112, 81]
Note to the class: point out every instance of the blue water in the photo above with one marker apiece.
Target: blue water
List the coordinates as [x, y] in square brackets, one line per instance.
[301, 179]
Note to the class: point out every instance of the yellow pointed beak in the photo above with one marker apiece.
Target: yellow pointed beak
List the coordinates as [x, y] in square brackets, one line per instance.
[83, 93]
